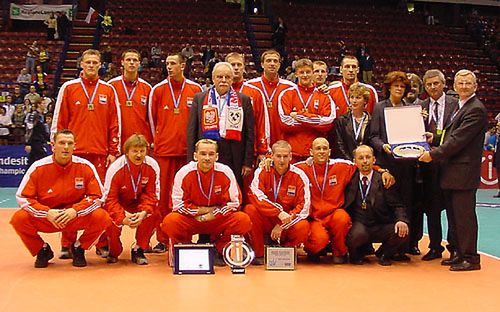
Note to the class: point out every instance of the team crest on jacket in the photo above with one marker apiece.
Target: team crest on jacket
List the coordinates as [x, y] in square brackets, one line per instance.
[79, 183]
[217, 189]
[103, 99]
[291, 190]
[316, 104]
[144, 180]
[210, 116]
[189, 102]
[144, 100]
[332, 180]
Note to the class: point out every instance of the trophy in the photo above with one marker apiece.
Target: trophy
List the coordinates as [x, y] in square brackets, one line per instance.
[238, 254]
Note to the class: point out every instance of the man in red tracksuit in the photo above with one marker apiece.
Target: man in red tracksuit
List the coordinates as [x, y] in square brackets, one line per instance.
[305, 113]
[169, 106]
[349, 68]
[131, 193]
[329, 221]
[60, 192]
[133, 95]
[90, 108]
[206, 199]
[271, 86]
[279, 203]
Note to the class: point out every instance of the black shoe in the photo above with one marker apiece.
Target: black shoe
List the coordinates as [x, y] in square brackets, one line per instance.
[111, 259]
[148, 250]
[367, 249]
[79, 257]
[137, 256]
[43, 257]
[432, 254]
[357, 260]
[160, 248]
[203, 239]
[384, 260]
[218, 260]
[258, 261]
[66, 253]
[414, 251]
[465, 265]
[314, 258]
[340, 259]
[453, 259]
[102, 252]
[400, 258]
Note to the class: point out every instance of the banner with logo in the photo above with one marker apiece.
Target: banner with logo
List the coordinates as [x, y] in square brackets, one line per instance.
[13, 161]
[488, 172]
[34, 12]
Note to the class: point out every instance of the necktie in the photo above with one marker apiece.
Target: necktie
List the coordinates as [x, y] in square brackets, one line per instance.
[364, 184]
[434, 119]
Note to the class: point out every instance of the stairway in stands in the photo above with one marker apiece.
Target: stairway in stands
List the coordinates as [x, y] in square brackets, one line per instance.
[263, 32]
[81, 39]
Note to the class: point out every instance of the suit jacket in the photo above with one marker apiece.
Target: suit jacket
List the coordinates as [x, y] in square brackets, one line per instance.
[462, 148]
[342, 139]
[385, 203]
[235, 154]
[450, 105]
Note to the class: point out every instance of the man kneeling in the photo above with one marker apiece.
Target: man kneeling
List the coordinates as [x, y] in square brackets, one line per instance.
[377, 213]
[206, 199]
[131, 193]
[59, 193]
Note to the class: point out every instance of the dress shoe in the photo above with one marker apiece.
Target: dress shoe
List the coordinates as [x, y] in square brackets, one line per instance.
[453, 259]
[465, 265]
[340, 259]
[414, 251]
[384, 260]
[401, 257]
[432, 254]
[358, 260]
[259, 261]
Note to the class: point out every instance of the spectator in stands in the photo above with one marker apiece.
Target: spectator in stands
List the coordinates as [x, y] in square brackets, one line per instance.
[31, 56]
[24, 81]
[63, 25]
[295, 59]
[156, 54]
[107, 22]
[5, 123]
[366, 65]
[9, 105]
[36, 142]
[47, 101]
[207, 55]
[342, 49]
[18, 126]
[48, 121]
[490, 138]
[290, 74]
[207, 85]
[397, 86]
[107, 56]
[111, 73]
[39, 79]
[32, 96]
[361, 52]
[416, 88]
[44, 59]
[211, 63]
[188, 54]
[279, 35]
[145, 63]
[51, 23]
[18, 97]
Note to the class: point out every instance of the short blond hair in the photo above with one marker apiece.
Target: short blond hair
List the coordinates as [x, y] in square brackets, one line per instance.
[206, 141]
[281, 144]
[91, 52]
[357, 89]
[135, 140]
[269, 52]
[303, 63]
[235, 55]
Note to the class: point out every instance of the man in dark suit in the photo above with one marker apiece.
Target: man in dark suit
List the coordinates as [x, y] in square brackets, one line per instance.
[223, 115]
[377, 213]
[461, 153]
[438, 109]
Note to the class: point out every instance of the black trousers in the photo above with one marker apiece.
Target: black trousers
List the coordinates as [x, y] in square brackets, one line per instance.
[361, 234]
[462, 223]
[433, 203]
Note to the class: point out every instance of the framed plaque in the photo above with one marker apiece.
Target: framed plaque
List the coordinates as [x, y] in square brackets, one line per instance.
[280, 258]
[193, 259]
[405, 131]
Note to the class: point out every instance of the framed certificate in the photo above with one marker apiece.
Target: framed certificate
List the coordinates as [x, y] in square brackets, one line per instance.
[280, 258]
[193, 259]
[405, 131]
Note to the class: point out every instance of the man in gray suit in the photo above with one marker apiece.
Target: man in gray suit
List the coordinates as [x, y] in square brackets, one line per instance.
[460, 153]
[438, 109]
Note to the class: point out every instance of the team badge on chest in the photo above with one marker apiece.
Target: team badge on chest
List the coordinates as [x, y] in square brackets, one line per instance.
[316, 104]
[332, 180]
[189, 102]
[217, 189]
[291, 190]
[103, 99]
[144, 100]
[79, 183]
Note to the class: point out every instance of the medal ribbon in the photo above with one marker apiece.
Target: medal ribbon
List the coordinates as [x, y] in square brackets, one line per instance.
[357, 129]
[129, 97]
[90, 99]
[306, 104]
[321, 189]
[135, 184]
[210, 188]
[269, 99]
[178, 101]
[364, 195]
[276, 190]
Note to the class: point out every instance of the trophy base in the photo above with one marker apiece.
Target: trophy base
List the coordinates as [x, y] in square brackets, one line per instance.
[238, 270]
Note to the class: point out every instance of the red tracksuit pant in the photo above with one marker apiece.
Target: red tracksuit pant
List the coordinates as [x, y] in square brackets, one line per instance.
[333, 228]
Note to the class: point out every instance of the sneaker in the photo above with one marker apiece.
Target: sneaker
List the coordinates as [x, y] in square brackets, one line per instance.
[137, 256]
[66, 253]
[79, 257]
[43, 257]
[160, 248]
[111, 259]
[148, 250]
[258, 261]
[103, 251]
